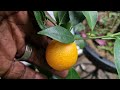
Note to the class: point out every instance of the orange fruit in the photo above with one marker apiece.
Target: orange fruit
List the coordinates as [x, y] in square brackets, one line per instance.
[61, 56]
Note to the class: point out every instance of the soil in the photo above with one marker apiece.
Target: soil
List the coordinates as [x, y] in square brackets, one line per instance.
[87, 65]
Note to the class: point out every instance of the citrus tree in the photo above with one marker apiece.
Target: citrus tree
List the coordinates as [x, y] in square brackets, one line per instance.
[61, 53]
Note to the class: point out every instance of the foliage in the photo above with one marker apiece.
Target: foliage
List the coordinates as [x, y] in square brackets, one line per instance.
[66, 21]
[72, 74]
[117, 54]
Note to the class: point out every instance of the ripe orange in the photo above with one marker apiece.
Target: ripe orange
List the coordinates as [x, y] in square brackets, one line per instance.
[61, 56]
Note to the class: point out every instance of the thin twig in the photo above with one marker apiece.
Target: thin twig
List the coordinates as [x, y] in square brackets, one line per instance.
[115, 27]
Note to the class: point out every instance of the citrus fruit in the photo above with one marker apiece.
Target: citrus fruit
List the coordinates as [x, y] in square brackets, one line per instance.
[61, 56]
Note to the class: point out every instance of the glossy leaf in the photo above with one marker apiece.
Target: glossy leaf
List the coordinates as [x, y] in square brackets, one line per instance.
[67, 26]
[117, 55]
[43, 15]
[76, 17]
[91, 17]
[80, 43]
[77, 37]
[63, 17]
[39, 18]
[79, 27]
[56, 16]
[72, 74]
[58, 33]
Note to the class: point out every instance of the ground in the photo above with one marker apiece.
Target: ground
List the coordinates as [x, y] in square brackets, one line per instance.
[86, 68]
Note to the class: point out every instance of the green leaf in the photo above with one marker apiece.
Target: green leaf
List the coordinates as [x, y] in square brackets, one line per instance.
[72, 74]
[56, 16]
[43, 15]
[91, 17]
[79, 27]
[77, 37]
[117, 55]
[76, 17]
[63, 17]
[67, 26]
[58, 33]
[80, 43]
[39, 17]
